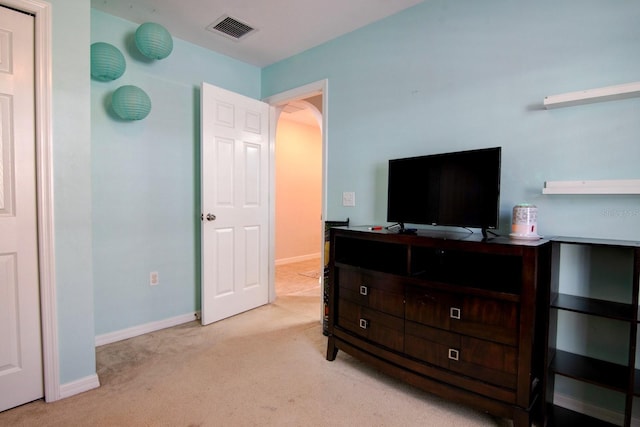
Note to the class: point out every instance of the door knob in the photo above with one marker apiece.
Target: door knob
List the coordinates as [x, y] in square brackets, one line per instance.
[211, 217]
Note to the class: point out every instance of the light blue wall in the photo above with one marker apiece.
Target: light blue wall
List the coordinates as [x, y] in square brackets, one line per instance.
[446, 76]
[145, 174]
[439, 77]
[455, 75]
[71, 142]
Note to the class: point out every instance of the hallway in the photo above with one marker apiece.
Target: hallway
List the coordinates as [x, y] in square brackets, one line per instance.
[299, 278]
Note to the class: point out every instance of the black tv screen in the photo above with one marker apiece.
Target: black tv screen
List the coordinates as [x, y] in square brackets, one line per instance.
[455, 189]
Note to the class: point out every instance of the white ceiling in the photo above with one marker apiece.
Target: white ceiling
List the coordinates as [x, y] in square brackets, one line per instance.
[284, 27]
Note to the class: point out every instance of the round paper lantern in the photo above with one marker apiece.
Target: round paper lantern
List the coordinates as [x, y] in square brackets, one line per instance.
[153, 41]
[107, 62]
[131, 103]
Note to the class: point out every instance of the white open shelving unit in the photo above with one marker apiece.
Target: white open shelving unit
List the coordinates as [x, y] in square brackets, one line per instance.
[611, 186]
[608, 93]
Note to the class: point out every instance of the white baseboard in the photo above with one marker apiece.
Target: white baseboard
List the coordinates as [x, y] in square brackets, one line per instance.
[135, 331]
[599, 412]
[79, 386]
[300, 258]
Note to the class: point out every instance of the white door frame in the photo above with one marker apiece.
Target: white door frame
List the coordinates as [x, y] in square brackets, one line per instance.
[44, 170]
[279, 100]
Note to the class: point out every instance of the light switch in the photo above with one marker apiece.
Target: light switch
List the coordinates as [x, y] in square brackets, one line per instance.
[348, 198]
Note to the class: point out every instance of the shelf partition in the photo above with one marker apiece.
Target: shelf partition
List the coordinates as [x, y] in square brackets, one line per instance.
[609, 93]
[609, 186]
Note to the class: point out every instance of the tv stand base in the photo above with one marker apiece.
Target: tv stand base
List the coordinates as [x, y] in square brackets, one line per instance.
[486, 232]
[408, 231]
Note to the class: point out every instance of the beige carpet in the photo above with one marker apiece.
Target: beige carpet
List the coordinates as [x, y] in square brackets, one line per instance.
[266, 367]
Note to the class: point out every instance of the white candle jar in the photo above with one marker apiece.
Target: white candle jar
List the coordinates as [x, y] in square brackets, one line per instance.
[525, 221]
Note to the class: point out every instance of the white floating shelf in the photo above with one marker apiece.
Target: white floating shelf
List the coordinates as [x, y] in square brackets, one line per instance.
[617, 186]
[609, 93]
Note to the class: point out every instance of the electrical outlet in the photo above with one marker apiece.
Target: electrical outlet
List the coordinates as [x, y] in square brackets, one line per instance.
[154, 278]
[348, 198]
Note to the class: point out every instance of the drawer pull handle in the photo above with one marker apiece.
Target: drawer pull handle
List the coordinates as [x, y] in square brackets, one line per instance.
[364, 290]
[364, 323]
[454, 313]
[454, 354]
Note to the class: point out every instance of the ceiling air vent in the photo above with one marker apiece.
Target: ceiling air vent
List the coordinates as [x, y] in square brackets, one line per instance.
[230, 27]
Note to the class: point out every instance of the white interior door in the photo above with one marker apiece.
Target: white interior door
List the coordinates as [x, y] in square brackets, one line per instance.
[21, 377]
[235, 203]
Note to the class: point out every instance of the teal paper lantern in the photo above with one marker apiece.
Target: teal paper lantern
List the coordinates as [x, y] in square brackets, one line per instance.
[107, 62]
[153, 41]
[131, 103]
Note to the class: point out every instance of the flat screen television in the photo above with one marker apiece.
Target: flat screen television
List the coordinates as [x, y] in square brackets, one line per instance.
[459, 189]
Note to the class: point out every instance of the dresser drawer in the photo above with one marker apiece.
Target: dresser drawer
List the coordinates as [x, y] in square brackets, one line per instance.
[373, 325]
[485, 318]
[480, 359]
[380, 292]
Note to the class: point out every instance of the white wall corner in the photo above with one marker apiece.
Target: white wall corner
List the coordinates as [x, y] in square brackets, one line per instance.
[135, 331]
[79, 386]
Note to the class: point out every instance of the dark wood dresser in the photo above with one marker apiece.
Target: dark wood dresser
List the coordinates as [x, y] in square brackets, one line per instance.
[451, 313]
